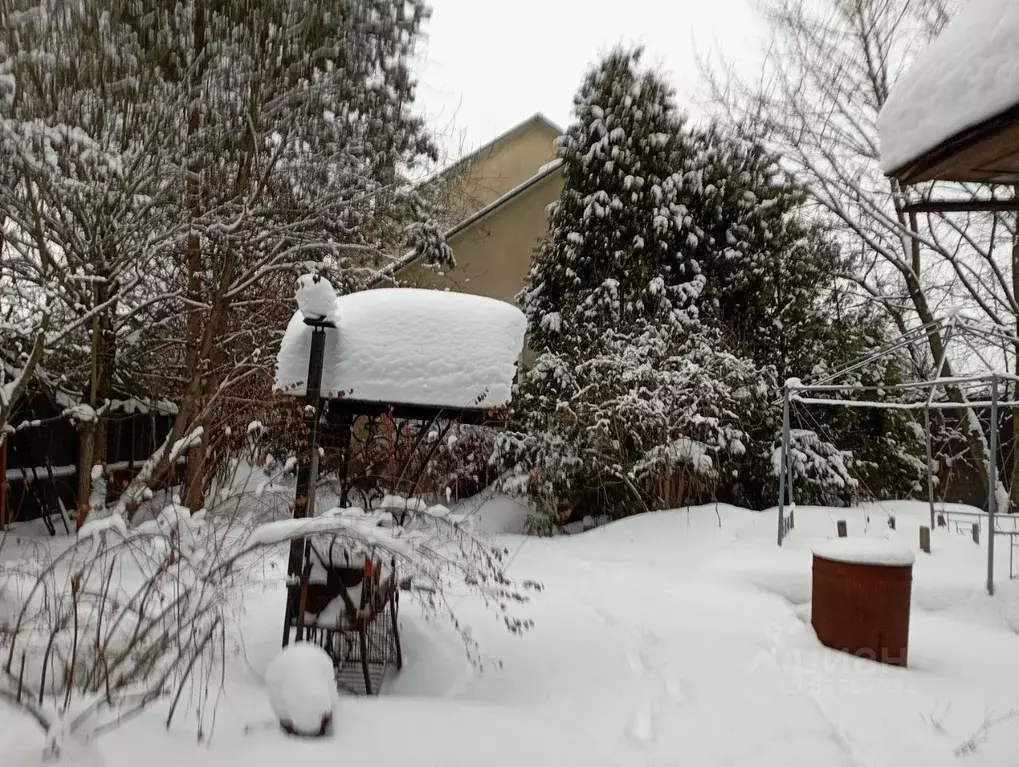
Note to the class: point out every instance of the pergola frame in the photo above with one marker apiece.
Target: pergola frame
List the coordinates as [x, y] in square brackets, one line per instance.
[342, 412]
[953, 330]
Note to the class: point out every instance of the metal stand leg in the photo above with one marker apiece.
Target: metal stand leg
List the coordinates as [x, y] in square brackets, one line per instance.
[992, 483]
[783, 466]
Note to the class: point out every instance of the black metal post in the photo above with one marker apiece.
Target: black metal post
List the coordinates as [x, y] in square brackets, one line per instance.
[307, 475]
[346, 426]
[992, 484]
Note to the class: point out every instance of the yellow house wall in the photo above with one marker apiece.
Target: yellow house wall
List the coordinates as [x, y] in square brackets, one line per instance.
[494, 254]
[504, 166]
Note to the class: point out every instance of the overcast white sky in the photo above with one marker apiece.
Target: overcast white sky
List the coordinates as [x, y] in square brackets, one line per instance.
[487, 65]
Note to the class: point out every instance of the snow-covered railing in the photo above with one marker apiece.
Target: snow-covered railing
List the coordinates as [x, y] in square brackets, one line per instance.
[57, 472]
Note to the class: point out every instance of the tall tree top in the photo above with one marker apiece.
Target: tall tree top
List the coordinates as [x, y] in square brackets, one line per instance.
[619, 236]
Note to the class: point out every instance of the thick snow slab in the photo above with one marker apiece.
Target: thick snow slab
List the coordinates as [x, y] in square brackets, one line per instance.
[409, 346]
[865, 551]
[969, 74]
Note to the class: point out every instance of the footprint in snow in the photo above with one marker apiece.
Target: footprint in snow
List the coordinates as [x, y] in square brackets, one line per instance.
[642, 724]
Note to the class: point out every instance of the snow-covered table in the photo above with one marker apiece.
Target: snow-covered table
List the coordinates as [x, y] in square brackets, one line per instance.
[405, 348]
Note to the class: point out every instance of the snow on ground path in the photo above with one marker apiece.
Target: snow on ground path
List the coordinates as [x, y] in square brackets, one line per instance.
[672, 638]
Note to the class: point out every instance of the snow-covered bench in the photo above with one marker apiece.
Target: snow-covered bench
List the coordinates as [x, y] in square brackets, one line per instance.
[344, 596]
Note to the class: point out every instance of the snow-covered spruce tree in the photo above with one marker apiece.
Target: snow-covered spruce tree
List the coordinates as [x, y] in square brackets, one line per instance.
[769, 270]
[629, 405]
[773, 289]
[619, 242]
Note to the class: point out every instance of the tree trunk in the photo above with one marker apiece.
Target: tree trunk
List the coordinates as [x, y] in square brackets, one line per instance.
[194, 498]
[967, 419]
[92, 434]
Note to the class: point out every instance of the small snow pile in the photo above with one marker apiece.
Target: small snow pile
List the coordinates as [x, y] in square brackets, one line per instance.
[865, 551]
[178, 523]
[412, 347]
[969, 74]
[316, 298]
[302, 689]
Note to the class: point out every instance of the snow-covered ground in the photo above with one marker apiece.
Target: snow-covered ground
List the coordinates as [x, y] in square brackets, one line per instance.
[678, 637]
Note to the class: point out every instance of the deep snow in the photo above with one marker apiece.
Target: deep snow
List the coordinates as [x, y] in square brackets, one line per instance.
[443, 349]
[677, 637]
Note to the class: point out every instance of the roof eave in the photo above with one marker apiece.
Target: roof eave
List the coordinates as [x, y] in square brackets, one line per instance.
[917, 170]
[411, 257]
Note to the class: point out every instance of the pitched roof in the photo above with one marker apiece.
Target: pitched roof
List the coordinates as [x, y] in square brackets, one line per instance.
[537, 117]
[543, 173]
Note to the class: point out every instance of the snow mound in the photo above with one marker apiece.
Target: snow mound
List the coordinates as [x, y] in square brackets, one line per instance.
[969, 74]
[302, 688]
[316, 298]
[412, 347]
[493, 513]
[865, 551]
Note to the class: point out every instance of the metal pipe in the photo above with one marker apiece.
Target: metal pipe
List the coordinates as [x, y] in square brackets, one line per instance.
[930, 465]
[992, 484]
[314, 397]
[902, 405]
[304, 502]
[782, 464]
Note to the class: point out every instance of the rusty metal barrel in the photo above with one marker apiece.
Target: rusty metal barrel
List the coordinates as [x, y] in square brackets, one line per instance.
[861, 597]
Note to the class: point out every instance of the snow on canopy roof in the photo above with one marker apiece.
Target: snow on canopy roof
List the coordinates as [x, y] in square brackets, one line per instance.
[968, 75]
[407, 346]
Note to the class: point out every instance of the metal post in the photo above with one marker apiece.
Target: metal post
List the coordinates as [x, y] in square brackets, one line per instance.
[783, 465]
[346, 428]
[992, 483]
[304, 502]
[930, 465]
[3, 481]
[790, 480]
[314, 398]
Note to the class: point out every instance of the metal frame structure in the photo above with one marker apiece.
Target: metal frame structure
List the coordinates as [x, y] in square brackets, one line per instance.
[954, 331]
[364, 644]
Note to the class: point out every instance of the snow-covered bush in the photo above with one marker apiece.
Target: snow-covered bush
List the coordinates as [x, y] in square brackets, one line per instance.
[647, 422]
[131, 615]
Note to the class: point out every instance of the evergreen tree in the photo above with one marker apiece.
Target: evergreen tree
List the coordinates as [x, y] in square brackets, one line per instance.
[772, 278]
[620, 240]
[630, 404]
[769, 269]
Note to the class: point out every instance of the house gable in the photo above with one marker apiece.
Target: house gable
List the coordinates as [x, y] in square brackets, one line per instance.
[497, 168]
[494, 250]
